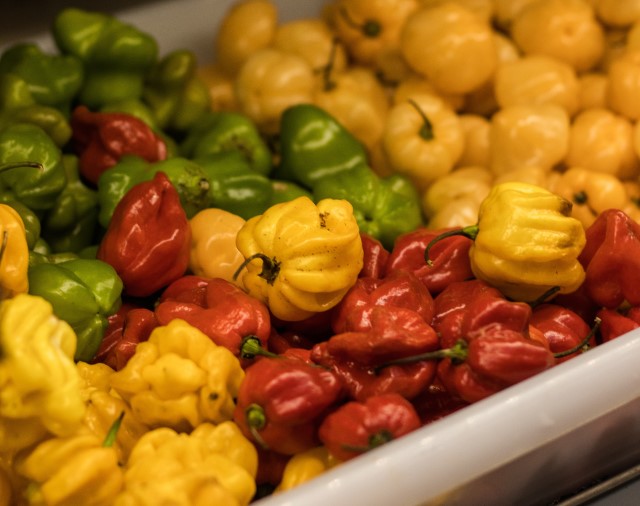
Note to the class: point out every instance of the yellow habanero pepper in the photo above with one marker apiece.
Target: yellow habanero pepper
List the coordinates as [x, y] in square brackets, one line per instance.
[79, 469]
[39, 382]
[526, 243]
[213, 244]
[590, 192]
[305, 466]
[14, 253]
[309, 256]
[167, 467]
[422, 139]
[179, 378]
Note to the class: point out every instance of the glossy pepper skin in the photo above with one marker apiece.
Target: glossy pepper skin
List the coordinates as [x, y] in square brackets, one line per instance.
[70, 225]
[53, 80]
[610, 259]
[301, 258]
[385, 207]
[375, 257]
[234, 186]
[84, 293]
[175, 93]
[219, 132]
[101, 138]
[314, 146]
[37, 189]
[179, 378]
[615, 323]
[17, 105]
[115, 55]
[449, 258]
[281, 402]
[14, 253]
[526, 242]
[188, 178]
[148, 239]
[358, 427]
[220, 309]
[39, 383]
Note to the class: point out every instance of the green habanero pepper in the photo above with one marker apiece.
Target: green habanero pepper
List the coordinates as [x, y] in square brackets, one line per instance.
[226, 131]
[82, 292]
[188, 177]
[38, 189]
[314, 146]
[72, 222]
[115, 55]
[384, 207]
[285, 191]
[234, 187]
[175, 92]
[17, 105]
[54, 80]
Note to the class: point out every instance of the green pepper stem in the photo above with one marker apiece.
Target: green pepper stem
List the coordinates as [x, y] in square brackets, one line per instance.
[544, 297]
[457, 353]
[378, 439]
[270, 267]
[251, 346]
[582, 345]
[256, 421]
[470, 231]
[111, 436]
[327, 69]
[426, 130]
[21, 165]
[370, 28]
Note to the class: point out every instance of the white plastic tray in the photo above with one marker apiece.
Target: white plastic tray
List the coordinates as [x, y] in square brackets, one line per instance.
[528, 445]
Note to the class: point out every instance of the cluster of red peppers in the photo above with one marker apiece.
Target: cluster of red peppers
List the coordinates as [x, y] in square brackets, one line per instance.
[407, 345]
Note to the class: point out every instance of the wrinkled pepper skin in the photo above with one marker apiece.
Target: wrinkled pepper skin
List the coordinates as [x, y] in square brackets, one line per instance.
[449, 258]
[358, 427]
[385, 207]
[175, 93]
[148, 239]
[188, 178]
[14, 253]
[39, 383]
[301, 258]
[84, 293]
[281, 402]
[375, 259]
[220, 309]
[610, 259]
[314, 146]
[37, 189]
[115, 55]
[53, 80]
[179, 378]
[220, 132]
[100, 139]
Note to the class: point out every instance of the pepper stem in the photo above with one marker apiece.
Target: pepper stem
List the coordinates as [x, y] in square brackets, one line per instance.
[545, 296]
[378, 439]
[470, 231]
[457, 353]
[270, 267]
[327, 69]
[110, 438]
[582, 345]
[370, 28]
[251, 346]
[20, 165]
[426, 130]
[256, 421]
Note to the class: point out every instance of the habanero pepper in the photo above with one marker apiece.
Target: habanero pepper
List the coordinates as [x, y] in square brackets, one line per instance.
[375, 257]
[358, 427]
[611, 259]
[616, 322]
[148, 239]
[282, 401]
[218, 308]
[14, 253]
[100, 139]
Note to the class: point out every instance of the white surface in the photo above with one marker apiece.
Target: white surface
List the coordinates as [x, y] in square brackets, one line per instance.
[526, 445]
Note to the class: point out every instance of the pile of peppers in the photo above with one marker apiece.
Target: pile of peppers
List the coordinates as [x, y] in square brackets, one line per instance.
[194, 313]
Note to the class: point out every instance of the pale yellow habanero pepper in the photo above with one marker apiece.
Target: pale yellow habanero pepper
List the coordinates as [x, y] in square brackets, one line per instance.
[305, 466]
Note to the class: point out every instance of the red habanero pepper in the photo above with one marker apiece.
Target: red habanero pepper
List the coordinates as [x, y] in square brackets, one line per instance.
[611, 260]
[400, 289]
[436, 402]
[357, 427]
[375, 257]
[101, 138]
[148, 239]
[464, 306]
[616, 322]
[282, 401]
[450, 258]
[128, 327]
[562, 328]
[217, 307]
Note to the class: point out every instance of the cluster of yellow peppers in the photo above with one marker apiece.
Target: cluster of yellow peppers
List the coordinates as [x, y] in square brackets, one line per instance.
[538, 91]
